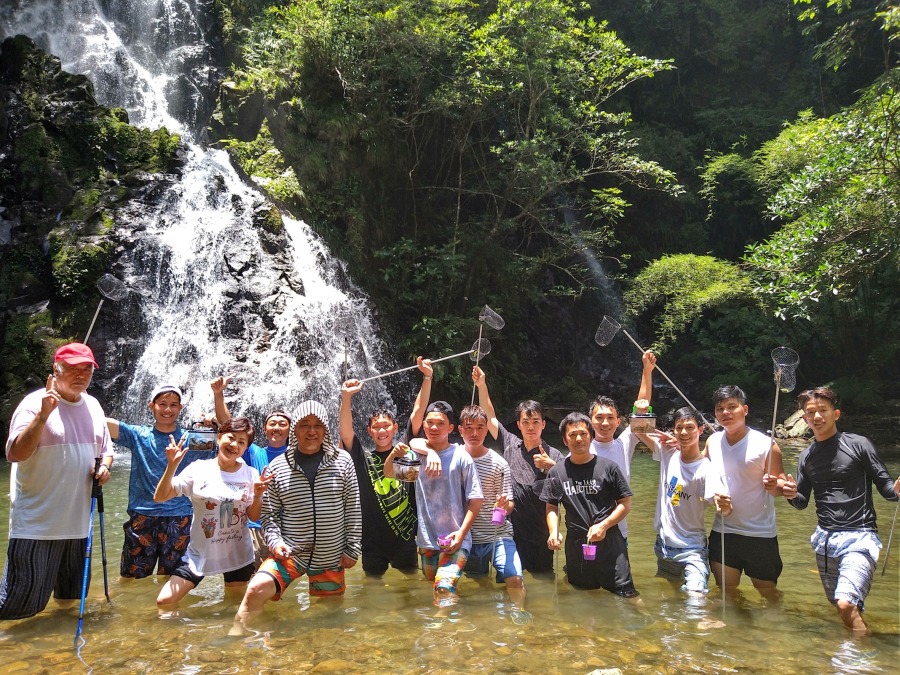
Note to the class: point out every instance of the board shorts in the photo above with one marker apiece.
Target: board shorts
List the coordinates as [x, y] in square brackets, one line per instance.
[154, 542]
[848, 577]
[322, 582]
[758, 557]
[444, 569]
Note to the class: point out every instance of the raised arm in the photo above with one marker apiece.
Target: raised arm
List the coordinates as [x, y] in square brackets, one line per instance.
[218, 389]
[418, 411]
[645, 391]
[345, 415]
[27, 440]
[484, 400]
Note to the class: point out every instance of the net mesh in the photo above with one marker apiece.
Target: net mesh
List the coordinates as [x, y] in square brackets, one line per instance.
[784, 363]
[480, 349]
[491, 318]
[111, 287]
[607, 331]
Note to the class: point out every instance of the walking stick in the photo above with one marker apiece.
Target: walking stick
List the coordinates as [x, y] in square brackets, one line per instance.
[87, 564]
[97, 494]
[887, 551]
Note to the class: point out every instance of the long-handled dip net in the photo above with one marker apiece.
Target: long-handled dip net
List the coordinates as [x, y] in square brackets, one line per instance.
[605, 334]
[784, 365]
[495, 321]
[110, 288]
[481, 347]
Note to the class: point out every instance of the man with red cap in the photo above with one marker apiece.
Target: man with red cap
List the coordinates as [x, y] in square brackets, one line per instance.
[55, 436]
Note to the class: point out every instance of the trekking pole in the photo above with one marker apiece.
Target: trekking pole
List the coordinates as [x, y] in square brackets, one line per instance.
[97, 493]
[87, 564]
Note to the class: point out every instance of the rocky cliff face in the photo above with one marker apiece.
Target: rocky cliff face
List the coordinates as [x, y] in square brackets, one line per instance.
[70, 170]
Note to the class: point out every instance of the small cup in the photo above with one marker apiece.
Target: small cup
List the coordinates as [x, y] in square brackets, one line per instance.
[444, 542]
[589, 551]
[498, 515]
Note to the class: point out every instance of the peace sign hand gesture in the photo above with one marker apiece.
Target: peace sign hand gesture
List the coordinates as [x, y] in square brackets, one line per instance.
[175, 452]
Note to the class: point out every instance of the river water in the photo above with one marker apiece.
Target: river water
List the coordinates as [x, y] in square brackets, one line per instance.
[387, 625]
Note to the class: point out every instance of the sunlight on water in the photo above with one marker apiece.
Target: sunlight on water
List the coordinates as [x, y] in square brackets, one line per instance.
[388, 625]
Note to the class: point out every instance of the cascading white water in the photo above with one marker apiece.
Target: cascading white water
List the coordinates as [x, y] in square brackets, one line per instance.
[212, 300]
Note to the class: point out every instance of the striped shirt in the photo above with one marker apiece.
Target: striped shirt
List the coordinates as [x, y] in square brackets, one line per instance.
[320, 520]
[493, 473]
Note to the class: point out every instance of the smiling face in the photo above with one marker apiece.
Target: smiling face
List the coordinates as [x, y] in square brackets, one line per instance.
[605, 421]
[276, 430]
[232, 444]
[822, 417]
[687, 431]
[381, 430]
[72, 381]
[166, 409]
[310, 434]
[532, 426]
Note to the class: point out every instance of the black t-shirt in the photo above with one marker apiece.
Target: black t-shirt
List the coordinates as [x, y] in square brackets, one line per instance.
[309, 464]
[840, 471]
[589, 491]
[529, 519]
[388, 505]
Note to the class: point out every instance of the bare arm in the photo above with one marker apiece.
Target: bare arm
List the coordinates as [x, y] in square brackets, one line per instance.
[554, 541]
[484, 400]
[345, 415]
[113, 427]
[27, 441]
[218, 388]
[597, 532]
[773, 481]
[418, 411]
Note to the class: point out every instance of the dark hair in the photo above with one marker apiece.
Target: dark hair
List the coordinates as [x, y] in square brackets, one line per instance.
[472, 413]
[686, 413]
[239, 424]
[728, 391]
[604, 401]
[441, 407]
[574, 418]
[382, 412]
[825, 393]
[529, 408]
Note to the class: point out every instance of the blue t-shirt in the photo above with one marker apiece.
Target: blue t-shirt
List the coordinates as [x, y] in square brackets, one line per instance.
[148, 463]
[272, 453]
[258, 458]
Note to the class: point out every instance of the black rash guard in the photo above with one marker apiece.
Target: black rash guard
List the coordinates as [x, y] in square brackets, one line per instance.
[840, 471]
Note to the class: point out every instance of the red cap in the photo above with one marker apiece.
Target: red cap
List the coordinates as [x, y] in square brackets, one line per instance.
[74, 354]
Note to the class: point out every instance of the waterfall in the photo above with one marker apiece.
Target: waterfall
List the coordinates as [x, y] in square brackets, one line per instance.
[213, 291]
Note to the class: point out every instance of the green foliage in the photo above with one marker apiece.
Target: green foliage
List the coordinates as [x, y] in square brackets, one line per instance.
[77, 264]
[265, 165]
[676, 290]
[838, 202]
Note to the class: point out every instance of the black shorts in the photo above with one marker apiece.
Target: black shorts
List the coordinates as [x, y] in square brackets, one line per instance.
[757, 557]
[241, 574]
[610, 570]
[402, 555]
[534, 555]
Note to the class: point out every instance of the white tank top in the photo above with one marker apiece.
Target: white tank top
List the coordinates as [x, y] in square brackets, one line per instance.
[744, 467]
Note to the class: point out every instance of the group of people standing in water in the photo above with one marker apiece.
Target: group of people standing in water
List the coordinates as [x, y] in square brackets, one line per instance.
[310, 504]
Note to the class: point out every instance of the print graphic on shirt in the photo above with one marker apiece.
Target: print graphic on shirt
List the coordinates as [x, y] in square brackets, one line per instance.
[581, 487]
[675, 491]
[393, 498]
[225, 511]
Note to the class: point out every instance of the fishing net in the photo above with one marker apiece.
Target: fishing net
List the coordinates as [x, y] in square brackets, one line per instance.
[480, 349]
[607, 331]
[112, 288]
[491, 318]
[784, 362]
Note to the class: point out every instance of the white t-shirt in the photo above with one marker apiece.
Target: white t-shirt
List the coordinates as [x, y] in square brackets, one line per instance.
[742, 472]
[682, 499]
[50, 492]
[220, 535]
[493, 473]
[619, 450]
